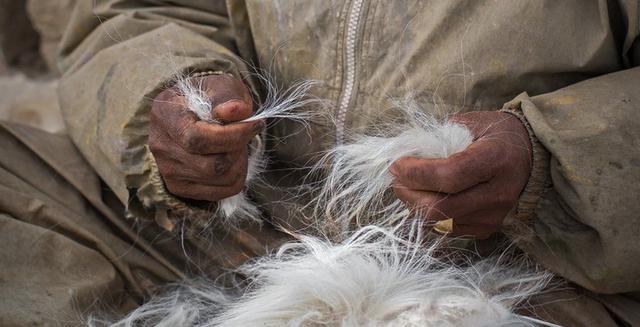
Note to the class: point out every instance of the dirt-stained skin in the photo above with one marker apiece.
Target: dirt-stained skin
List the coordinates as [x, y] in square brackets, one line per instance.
[200, 160]
[476, 187]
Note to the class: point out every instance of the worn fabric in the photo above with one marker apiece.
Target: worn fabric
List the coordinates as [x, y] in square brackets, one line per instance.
[68, 252]
[67, 249]
[570, 66]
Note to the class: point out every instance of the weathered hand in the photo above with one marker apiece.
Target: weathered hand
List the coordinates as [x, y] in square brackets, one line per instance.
[476, 187]
[200, 160]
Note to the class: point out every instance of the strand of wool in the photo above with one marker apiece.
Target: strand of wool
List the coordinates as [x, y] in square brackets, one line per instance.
[373, 278]
[356, 186]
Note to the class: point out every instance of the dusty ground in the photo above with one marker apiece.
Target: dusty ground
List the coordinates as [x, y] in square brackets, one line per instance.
[29, 33]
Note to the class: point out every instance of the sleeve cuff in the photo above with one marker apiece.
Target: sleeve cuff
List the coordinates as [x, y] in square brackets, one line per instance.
[154, 202]
[539, 176]
[148, 197]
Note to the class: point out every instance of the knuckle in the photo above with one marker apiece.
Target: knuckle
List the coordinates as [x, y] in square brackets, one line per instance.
[217, 168]
[221, 164]
[191, 140]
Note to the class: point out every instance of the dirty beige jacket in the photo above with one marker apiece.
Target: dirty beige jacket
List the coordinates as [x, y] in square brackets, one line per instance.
[569, 66]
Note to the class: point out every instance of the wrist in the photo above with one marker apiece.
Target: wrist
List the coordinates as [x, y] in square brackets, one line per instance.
[539, 172]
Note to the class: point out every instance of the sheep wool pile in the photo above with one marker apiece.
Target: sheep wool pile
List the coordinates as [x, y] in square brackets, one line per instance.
[373, 278]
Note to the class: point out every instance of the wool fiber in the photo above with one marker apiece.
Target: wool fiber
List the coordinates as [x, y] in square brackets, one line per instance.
[372, 278]
[356, 188]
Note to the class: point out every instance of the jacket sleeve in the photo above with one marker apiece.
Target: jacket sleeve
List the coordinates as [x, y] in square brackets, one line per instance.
[116, 56]
[586, 225]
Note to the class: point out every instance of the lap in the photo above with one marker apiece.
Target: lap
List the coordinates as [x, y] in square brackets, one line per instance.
[50, 279]
[64, 251]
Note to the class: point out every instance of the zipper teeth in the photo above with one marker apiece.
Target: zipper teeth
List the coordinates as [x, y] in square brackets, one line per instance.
[347, 92]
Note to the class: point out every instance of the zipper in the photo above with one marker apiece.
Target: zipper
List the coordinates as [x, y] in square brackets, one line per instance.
[349, 69]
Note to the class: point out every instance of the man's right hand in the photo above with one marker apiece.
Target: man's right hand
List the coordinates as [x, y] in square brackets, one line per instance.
[200, 160]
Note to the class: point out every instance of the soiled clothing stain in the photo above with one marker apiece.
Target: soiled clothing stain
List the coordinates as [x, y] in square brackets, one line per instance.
[570, 67]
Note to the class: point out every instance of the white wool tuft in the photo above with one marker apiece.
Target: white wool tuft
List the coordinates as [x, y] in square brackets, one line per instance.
[357, 183]
[239, 207]
[373, 278]
[278, 104]
[196, 98]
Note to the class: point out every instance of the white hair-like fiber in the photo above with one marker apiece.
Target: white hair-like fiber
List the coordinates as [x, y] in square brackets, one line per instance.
[279, 103]
[355, 190]
[373, 278]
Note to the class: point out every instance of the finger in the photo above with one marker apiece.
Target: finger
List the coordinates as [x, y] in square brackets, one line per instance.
[220, 169]
[201, 192]
[460, 171]
[440, 206]
[213, 170]
[205, 138]
[430, 205]
[479, 232]
[480, 224]
[232, 111]
[200, 137]
[230, 98]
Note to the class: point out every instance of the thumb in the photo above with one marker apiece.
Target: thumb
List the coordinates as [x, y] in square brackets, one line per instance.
[232, 111]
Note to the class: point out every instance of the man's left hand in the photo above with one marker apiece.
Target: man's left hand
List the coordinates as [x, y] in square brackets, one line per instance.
[476, 187]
